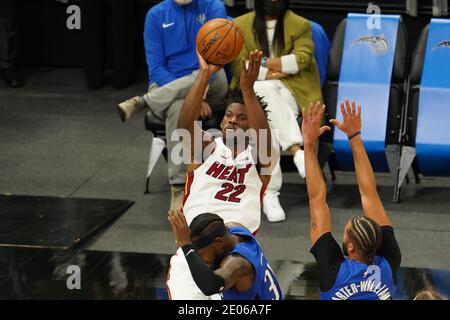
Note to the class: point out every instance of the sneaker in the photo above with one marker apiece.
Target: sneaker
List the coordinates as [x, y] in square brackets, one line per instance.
[129, 107]
[177, 196]
[272, 208]
[299, 160]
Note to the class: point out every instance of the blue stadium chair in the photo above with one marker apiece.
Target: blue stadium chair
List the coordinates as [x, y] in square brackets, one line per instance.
[395, 104]
[426, 138]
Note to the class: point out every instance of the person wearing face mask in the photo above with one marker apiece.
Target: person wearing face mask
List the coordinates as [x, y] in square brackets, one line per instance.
[288, 80]
[170, 33]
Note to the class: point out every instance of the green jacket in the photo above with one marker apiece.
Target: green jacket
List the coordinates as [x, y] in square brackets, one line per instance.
[305, 85]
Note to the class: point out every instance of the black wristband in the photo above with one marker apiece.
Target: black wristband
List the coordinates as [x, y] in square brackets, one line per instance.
[354, 135]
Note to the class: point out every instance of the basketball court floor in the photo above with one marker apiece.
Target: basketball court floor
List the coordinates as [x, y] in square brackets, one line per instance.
[58, 139]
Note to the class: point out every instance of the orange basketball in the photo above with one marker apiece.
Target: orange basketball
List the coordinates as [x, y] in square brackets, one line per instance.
[219, 41]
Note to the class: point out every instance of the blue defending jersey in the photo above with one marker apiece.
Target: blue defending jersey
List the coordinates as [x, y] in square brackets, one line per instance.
[359, 281]
[265, 284]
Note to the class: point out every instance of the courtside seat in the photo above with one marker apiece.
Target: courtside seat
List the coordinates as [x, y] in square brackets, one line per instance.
[396, 94]
[427, 136]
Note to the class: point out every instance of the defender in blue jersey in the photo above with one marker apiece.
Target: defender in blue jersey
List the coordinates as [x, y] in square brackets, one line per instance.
[226, 260]
[367, 265]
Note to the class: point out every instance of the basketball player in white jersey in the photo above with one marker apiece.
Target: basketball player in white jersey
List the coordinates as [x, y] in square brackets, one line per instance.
[229, 182]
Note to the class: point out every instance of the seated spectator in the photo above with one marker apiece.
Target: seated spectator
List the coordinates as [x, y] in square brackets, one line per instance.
[169, 37]
[288, 80]
[9, 44]
[123, 45]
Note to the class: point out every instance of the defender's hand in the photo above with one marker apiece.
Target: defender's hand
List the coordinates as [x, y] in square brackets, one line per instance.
[180, 228]
[312, 118]
[352, 118]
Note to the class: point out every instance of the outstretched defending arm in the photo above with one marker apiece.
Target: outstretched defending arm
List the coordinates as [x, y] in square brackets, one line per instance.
[351, 126]
[317, 192]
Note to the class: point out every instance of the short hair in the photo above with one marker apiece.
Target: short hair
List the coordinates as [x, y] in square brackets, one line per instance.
[235, 96]
[428, 294]
[366, 235]
[203, 224]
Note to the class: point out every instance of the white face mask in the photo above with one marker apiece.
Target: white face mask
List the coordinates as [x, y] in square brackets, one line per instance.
[182, 2]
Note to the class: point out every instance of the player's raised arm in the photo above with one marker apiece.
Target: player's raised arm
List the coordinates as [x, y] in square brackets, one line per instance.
[351, 126]
[192, 105]
[317, 192]
[256, 117]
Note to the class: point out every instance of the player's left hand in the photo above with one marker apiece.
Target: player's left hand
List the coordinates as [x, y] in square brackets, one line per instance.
[250, 70]
[312, 119]
[352, 118]
[180, 228]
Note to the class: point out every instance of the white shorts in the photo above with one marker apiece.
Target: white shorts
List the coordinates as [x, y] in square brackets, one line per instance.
[180, 284]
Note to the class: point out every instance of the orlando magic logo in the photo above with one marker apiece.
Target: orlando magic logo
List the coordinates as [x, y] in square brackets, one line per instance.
[201, 18]
[378, 44]
[442, 44]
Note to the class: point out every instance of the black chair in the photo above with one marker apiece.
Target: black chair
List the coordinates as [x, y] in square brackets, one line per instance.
[409, 122]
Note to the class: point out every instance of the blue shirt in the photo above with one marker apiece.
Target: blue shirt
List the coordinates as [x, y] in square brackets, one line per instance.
[359, 281]
[322, 46]
[169, 37]
[265, 284]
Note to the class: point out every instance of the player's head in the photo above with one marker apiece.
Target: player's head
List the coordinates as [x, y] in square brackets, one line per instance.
[210, 237]
[236, 116]
[362, 238]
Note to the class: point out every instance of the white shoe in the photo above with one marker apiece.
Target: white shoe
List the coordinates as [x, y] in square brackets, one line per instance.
[129, 107]
[272, 208]
[299, 160]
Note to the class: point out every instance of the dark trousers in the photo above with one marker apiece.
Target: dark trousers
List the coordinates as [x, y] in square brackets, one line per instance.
[9, 33]
[93, 27]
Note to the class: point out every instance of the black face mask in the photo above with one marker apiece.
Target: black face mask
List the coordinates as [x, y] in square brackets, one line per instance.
[272, 8]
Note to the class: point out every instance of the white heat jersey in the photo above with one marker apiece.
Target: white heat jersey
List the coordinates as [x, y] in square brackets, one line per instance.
[230, 188]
